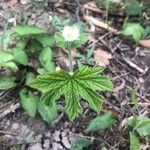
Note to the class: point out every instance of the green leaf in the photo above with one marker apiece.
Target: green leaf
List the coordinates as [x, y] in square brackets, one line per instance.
[6, 82]
[84, 83]
[7, 61]
[30, 77]
[5, 57]
[20, 56]
[47, 113]
[45, 39]
[101, 122]
[133, 29]
[134, 142]
[80, 144]
[60, 42]
[46, 59]
[140, 124]
[133, 10]
[27, 30]
[29, 102]
[134, 99]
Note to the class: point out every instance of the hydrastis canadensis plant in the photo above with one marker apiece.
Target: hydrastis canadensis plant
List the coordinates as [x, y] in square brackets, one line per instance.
[86, 83]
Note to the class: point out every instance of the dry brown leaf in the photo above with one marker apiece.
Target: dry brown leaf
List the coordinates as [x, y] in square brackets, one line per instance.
[99, 23]
[145, 43]
[102, 57]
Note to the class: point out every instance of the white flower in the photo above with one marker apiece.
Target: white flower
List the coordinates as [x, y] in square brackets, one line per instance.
[71, 33]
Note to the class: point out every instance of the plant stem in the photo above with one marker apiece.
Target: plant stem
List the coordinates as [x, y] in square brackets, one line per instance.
[70, 61]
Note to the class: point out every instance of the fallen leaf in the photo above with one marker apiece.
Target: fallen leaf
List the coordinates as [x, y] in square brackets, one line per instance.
[102, 57]
[145, 43]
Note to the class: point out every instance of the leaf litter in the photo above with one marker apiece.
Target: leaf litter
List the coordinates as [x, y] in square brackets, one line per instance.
[117, 102]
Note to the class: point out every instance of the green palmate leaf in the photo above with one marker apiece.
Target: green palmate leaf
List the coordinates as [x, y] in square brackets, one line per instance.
[133, 29]
[6, 82]
[20, 56]
[29, 102]
[46, 59]
[80, 144]
[101, 122]
[134, 142]
[82, 84]
[45, 39]
[27, 30]
[47, 113]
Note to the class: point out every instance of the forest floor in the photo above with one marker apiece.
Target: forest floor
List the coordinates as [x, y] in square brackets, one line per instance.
[126, 63]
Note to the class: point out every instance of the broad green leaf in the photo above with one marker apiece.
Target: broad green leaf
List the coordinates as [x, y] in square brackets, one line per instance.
[22, 42]
[134, 142]
[80, 144]
[135, 9]
[10, 65]
[45, 39]
[47, 113]
[140, 124]
[29, 102]
[84, 83]
[134, 99]
[46, 60]
[7, 82]
[7, 61]
[30, 77]
[60, 42]
[133, 29]
[27, 30]
[101, 122]
[20, 56]
[5, 57]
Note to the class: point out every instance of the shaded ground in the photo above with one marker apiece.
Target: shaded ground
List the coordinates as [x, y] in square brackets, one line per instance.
[19, 131]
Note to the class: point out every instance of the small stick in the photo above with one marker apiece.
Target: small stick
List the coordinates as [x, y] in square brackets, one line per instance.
[12, 108]
[130, 63]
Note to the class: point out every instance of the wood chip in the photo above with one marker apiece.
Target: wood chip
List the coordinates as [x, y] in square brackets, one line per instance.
[145, 43]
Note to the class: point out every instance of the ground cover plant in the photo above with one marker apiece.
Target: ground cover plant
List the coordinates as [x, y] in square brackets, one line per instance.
[74, 75]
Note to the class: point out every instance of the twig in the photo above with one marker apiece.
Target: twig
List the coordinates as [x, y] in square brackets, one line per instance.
[100, 24]
[92, 7]
[12, 108]
[130, 63]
